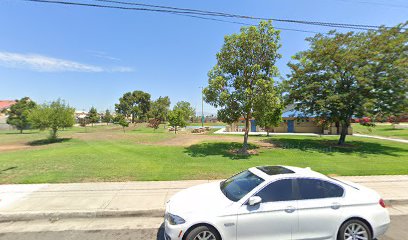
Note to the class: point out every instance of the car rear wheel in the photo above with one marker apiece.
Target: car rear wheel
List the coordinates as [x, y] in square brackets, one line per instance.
[203, 233]
[354, 230]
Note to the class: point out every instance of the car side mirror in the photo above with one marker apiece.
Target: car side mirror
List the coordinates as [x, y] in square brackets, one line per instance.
[254, 200]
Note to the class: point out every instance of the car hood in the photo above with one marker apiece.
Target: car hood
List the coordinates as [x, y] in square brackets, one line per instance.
[205, 198]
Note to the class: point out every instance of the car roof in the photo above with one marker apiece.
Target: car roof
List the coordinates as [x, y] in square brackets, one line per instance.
[277, 171]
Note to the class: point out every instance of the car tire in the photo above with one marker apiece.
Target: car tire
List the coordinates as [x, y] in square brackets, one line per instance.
[205, 232]
[354, 226]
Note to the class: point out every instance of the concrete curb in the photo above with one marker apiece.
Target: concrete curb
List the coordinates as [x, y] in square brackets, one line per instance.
[52, 216]
[395, 202]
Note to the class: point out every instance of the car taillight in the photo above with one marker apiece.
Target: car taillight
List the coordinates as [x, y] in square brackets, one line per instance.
[382, 203]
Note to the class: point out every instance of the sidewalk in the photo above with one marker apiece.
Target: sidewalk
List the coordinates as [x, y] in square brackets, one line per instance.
[382, 138]
[142, 199]
[222, 132]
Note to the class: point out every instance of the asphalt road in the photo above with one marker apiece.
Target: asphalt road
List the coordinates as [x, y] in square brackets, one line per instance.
[397, 231]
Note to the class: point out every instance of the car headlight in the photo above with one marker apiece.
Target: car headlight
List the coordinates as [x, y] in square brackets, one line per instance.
[174, 219]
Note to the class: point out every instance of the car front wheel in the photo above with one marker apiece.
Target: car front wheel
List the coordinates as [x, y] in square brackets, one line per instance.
[203, 233]
[354, 230]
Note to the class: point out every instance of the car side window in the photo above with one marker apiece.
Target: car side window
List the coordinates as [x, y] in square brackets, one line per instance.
[315, 188]
[280, 190]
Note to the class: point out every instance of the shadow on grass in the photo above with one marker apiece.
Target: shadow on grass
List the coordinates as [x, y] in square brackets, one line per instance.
[18, 133]
[48, 141]
[391, 129]
[224, 149]
[330, 146]
[7, 169]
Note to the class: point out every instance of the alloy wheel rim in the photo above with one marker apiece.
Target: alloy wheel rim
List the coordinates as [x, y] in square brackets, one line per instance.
[205, 235]
[355, 231]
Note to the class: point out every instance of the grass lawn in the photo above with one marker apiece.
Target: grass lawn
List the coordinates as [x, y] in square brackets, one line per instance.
[105, 153]
[384, 130]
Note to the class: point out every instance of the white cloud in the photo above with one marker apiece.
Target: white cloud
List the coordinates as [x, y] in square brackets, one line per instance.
[43, 63]
[121, 69]
[103, 55]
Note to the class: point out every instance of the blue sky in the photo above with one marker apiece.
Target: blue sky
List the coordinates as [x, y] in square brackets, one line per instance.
[90, 57]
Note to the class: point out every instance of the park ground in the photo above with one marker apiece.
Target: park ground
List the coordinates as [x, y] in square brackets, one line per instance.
[382, 130]
[106, 153]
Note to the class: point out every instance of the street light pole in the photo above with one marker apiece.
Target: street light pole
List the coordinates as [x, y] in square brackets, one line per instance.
[202, 107]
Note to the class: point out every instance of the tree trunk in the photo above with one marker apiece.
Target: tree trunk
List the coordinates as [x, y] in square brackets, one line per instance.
[54, 133]
[343, 133]
[123, 129]
[244, 149]
[267, 133]
[21, 131]
[175, 130]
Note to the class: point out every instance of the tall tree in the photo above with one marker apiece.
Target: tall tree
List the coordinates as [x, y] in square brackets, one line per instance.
[53, 116]
[159, 108]
[345, 75]
[142, 101]
[18, 113]
[134, 104]
[245, 69]
[185, 107]
[177, 119]
[93, 116]
[107, 117]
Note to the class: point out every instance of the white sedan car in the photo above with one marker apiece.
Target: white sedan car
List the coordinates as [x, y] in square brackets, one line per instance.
[276, 202]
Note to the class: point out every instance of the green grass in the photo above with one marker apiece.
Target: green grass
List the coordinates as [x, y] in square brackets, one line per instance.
[121, 156]
[384, 130]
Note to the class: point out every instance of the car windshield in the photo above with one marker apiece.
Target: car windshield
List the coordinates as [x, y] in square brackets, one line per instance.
[239, 185]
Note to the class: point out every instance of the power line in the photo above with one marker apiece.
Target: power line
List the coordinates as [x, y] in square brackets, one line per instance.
[246, 24]
[176, 13]
[200, 13]
[222, 14]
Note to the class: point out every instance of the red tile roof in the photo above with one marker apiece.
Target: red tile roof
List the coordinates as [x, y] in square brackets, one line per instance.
[6, 104]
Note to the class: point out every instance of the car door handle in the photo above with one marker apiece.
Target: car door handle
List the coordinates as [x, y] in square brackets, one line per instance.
[290, 209]
[335, 206]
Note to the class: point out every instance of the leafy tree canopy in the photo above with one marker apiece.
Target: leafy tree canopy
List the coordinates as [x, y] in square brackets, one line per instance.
[107, 117]
[343, 75]
[18, 113]
[93, 116]
[134, 104]
[160, 108]
[244, 71]
[186, 108]
[122, 121]
[177, 119]
[54, 116]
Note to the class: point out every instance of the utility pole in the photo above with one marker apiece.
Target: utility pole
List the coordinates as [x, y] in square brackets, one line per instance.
[202, 107]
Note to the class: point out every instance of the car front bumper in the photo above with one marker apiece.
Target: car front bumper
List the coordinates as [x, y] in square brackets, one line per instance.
[173, 232]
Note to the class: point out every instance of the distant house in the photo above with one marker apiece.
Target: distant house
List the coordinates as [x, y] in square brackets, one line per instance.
[292, 122]
[4, 106]
[80, 115]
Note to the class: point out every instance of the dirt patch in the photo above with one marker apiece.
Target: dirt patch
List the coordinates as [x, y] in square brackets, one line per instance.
[239, 153]
[263, 143]
[13, 147]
